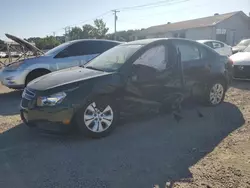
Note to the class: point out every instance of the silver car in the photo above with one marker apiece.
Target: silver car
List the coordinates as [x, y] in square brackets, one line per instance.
[3, 54]
[74, 53]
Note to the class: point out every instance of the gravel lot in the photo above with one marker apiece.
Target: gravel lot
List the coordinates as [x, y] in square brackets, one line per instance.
[212, 151]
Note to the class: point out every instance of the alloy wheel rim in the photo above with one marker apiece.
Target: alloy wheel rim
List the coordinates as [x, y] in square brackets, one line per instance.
[216, 93]
[98, 120]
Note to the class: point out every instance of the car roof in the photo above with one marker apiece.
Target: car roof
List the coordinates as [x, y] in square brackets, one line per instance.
[148, 41]
[203, 41]
[145, 41]
[245, 40]
[91, 40]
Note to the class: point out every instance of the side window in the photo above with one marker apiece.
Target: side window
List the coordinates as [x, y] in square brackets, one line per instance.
[222, 45]
[217, 45]
[76, 49]
[107, 45]
[153, 58]
[210, 44]
[86, 48]
[189, 51]
[205, 53]
[102, 46]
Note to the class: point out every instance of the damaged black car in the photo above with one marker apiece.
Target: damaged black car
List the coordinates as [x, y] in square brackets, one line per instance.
[128, 79]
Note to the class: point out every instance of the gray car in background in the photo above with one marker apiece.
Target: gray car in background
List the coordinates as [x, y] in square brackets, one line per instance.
[18, 74]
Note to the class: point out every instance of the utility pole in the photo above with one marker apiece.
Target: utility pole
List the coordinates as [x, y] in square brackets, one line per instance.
[115, 11]
[67, 31]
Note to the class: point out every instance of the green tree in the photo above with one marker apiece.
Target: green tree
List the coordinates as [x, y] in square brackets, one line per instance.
[75, 33]
[122, 35]
[88, 31]
[48, 42]
[100, 28]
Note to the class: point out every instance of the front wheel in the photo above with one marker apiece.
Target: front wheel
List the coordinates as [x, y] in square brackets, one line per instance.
[97, 118]
[215, 93]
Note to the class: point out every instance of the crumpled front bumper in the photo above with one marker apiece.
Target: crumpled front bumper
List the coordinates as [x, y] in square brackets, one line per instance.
[53, 119]
[44, 117]
[13, 79]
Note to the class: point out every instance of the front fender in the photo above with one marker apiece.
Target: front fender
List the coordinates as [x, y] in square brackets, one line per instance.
[38, 66]
[109, 86]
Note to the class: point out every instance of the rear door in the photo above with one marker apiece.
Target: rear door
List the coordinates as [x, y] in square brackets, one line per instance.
[195, 60]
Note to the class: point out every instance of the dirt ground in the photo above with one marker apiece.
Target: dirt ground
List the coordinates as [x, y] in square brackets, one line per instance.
[227, 164]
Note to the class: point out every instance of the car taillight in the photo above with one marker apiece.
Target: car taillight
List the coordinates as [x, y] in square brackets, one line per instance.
[230, 61]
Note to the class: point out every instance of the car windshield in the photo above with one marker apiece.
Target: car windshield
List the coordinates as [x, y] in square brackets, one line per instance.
[247, 49]
[57, 49]
[244, 43]
[113, 59]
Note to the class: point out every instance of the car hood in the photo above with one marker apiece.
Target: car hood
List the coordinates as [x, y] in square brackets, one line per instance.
[241, 58]
[64, 77]
[238, 48]
[25, 44]
[26, 62]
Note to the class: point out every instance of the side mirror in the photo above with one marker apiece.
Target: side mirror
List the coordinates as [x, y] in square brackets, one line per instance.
[134, 78]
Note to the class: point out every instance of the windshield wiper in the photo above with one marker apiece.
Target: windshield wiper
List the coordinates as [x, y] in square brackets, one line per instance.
[93, 68]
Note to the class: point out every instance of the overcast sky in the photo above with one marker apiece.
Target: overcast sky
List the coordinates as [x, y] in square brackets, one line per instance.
[40, 18]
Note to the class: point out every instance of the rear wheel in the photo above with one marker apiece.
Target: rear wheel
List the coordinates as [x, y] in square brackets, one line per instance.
[215, 93]
[97, 118]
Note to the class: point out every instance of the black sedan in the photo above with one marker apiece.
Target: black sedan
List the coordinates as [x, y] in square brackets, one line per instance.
[131, 78]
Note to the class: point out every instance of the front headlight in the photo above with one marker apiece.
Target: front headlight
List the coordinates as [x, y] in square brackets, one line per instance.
[51, 100]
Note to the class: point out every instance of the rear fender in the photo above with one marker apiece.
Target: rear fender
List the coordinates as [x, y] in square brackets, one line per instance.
[199, 88]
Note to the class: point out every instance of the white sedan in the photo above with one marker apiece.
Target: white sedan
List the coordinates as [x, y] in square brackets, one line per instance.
[241, 64]
[2, 54]
[218, 46]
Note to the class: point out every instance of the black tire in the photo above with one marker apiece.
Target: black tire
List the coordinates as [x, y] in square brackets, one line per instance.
[30, 125]
[210, 88]
[35, 74]
[101, 103]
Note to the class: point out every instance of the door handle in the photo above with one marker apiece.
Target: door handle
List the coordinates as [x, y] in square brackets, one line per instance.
[134, 78]
[208, 66]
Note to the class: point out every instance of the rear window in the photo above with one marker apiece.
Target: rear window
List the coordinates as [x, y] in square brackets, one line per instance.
[57, 49]
[101, 46]
[244, 43]
[189, 52]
